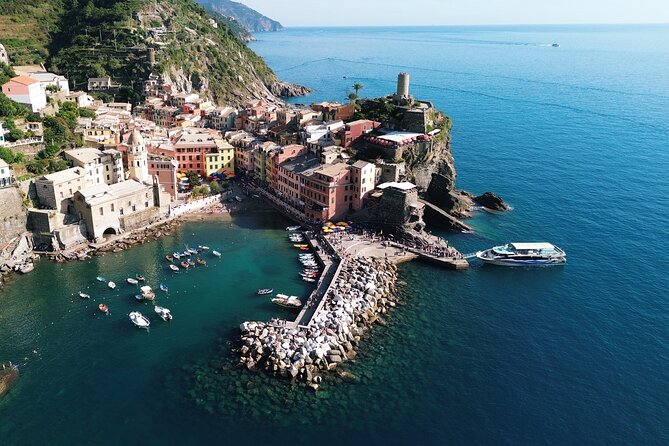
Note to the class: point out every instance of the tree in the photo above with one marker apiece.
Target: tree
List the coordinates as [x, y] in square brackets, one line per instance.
[193, 179]
[214, 187]
[352, 97]
[357, 87]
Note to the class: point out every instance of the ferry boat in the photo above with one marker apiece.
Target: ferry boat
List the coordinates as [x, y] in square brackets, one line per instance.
[524, 254]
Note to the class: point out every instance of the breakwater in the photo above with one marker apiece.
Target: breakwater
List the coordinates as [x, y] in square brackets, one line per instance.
[363, 291]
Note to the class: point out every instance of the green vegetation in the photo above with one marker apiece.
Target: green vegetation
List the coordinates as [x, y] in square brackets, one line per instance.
[214, 187]
[249, 19]
[193, 179]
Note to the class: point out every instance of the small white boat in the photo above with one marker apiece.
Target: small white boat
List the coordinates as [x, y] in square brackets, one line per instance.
[176, 255]
[139, 320]
[100, 279]
[293, 228]
[265, 291]
[163, 287]
[111, 285]
[309, 279]
[132, 281]
[174, 268]
[238, 198]
[524, 254]
[26, 268]
[203, 247]
[147, 293]
[84, 295]
[216, 253]
[164, 313]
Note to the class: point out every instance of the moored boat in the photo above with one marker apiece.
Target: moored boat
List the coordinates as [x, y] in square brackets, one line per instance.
[301, 245]
[139, 319]
[285, 301]
[147, 293]
[201, 261]
[140, 278]
[163, 287]
[293, 228]
[84, 295]
[309, 279]
[111, 285]
[132, 281]
[174, 268]
[524, 254]
[216, 253]
[100, 279]
[103, 308]
[176, 255]
[169, 258]
[164, 313]
[185, 264]
[265, 291]
[203, 247]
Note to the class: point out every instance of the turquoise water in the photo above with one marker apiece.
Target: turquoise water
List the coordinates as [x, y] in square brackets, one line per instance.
[575, 138]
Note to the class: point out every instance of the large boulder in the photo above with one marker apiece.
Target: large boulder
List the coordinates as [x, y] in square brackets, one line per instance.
[490, 200]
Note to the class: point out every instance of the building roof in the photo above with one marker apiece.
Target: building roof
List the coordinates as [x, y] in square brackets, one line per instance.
[361, 164]
[23, 80]
[332, 170]
[70, 174]
[103, 193]
[301, 164]
[135, 138]
[84, 155]
[401, 186]
[399, 137]
[3, 163]
[47, 77]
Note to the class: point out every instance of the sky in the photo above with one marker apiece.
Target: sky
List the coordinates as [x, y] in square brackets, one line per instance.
[460, 12]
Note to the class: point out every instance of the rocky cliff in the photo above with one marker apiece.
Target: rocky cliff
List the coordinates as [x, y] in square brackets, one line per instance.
[250, 19]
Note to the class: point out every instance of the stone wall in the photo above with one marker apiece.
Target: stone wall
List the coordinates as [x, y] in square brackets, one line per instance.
[139, 219]
[12, 214]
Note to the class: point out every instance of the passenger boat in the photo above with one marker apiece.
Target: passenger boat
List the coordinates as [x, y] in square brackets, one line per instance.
[139, 320]
[163, 287]
[285, 301]
[216, 253]
[265, 291]
[132, 281]
[169, 258]
[293, 228]
[174, 268]
[147, 293]
[103, 308]
[100, 279]
[164, 313]
[524, 254]
[185, 264]
[201, 261]
[140, 278]
[111, 285]
[84, 295]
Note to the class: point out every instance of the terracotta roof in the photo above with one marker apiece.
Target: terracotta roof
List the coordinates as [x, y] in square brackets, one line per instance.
[24, 80]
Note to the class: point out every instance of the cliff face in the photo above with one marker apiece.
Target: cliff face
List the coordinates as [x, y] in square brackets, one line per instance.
[250, 19]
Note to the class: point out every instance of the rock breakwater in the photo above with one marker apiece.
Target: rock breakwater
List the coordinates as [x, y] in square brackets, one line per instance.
[359, 296]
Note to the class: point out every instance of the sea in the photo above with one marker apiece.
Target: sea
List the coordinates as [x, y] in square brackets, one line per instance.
[575, 138]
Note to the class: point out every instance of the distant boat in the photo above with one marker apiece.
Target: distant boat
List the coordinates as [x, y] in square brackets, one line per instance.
[100, 279]
[176, 255]
[523, 254]
[169, 258]
[555, 45]
[203, 247]
[140, 278]
[216, 253]
[163, 287]
[139, 320]
[132, 281]
[103, 308]
[84, 295]
[309, 279]
[174, 268]
[139, 297]
[111, 285]
[265, 291]
[201, 261]
[164, 313]
[293, 228]
[185, 264]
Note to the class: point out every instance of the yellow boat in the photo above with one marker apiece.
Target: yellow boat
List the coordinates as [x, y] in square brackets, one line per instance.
[301, 246]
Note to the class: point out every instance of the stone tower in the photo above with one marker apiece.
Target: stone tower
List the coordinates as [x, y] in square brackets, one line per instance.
[138, 157]
[4, 57]
[403, 85]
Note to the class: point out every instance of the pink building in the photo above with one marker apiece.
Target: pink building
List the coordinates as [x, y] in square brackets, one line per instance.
[363, 181]
[327, 192]
[289, 181]
[355, 130]
[26, 91]
[165, 169]
[280, 156]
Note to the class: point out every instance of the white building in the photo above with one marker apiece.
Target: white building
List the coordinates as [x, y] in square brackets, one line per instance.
[60, 83]
[6, 177]
[2, 135]
[4, 57]
[26, 91]
[80, 98]
[100, 166]
[138, 157]
[321, 135]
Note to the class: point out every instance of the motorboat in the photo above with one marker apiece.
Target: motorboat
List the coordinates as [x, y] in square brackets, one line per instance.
[301, 245]
[176, 255]
[132, 281]
[265, 291]
[293, 228]
[139, 320]
[111, 285]
[139, 297]
[524, 254]
[100, 279]
[140, 278]
[164, 313]
[174, 268]
[104, 308]
[216, 253]
[84, 295]
[147, 293]
[555, 45]
[163, 287]
[285, 301]
[203, 247]
[309, 279]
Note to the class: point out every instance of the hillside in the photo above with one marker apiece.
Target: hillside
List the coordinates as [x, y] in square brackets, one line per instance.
[94, 38]
[249, 18]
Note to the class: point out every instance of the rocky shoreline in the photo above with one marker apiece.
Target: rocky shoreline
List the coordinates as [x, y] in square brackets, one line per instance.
[363, 292]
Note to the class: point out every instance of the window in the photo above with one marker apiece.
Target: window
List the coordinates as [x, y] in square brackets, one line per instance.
[101, 211]
[112, 207]
[107, 177]
[133, 208]
[120, 211]
[146, 204]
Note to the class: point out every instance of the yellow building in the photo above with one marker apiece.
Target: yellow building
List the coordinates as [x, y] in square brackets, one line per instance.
[221, 161]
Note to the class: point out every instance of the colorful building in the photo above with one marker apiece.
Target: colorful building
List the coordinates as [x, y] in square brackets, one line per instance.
[354, 130]
[26, 91]
[164, 169]
[191, 146]
[327, 192]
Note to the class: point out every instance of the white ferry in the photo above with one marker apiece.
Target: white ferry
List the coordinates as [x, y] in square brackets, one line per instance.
[524, 254]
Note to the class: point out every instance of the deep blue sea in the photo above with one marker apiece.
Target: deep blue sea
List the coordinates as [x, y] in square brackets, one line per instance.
[575, 138]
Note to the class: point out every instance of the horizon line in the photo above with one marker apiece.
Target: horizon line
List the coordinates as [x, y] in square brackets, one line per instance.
[479, 25]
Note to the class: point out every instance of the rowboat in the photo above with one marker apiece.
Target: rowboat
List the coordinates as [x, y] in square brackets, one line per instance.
[203, 247]
[201, 261]
[140, 278]
[132, 281]
[139, 320]
[174, 268]
[111, 285]
[169, 258]
[103, 308]
[163, 287]
[176, 255]
[184, 264]
[84, 295]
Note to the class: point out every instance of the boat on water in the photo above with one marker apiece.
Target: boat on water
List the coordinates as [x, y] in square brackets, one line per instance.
[201, 261]
[238, 198]
[26, 268]
[139, 320]
[100, 279]
[216, 253]
[147, 293]
[309, 279]
[139, 297]
[185, 264]
[287, 301]
[203, 247]
[163, 287]
[174, 268]
[524, 254]
[169, 258]
[104, 308]
[555, 45]
[132, 281]
[84, 295]
[301, 245]
[111, 285]
[164, 313]
[293, 228]
[140, 278]
[176, 255]
[265, 291]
